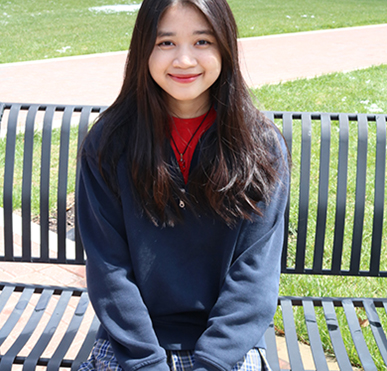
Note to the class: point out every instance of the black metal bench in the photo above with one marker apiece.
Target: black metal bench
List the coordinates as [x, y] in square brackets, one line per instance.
[326, 227]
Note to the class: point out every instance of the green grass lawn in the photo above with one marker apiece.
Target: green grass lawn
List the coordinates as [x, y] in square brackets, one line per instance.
[39, 29]
[261, 17]
[357, 91]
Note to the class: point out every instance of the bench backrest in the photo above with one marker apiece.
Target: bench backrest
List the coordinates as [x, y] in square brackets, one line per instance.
[335, 216]
[40, 144]
[335, 219]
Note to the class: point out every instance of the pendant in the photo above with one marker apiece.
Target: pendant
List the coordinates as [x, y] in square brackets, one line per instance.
[182, 162]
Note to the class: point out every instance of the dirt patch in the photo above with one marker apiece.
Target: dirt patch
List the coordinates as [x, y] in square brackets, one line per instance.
[70, 216]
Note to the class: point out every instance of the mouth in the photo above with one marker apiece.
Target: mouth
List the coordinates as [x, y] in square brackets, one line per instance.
[184, 79]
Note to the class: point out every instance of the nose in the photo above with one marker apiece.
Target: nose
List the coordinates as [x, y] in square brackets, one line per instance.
[185, 58]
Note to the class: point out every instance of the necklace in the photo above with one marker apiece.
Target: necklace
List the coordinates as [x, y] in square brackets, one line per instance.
[181, 154]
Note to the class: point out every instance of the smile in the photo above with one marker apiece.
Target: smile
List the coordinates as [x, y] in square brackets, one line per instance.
[184, 79]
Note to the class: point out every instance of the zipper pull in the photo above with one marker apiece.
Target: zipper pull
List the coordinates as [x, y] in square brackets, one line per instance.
[181, 202]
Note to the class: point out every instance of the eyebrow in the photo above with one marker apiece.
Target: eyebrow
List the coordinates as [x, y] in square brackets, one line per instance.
[198, 32]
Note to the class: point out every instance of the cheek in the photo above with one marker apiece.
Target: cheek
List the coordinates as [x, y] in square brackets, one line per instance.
[152, 65]
[155, 65]
[214, 64]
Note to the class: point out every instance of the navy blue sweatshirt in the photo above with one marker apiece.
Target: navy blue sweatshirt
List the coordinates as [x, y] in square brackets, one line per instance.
[199, 285]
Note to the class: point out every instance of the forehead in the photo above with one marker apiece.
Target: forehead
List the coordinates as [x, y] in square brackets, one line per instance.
[181, 17]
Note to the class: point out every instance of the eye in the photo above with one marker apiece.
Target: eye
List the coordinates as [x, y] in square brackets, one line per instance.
[165, 44]
[203, 42]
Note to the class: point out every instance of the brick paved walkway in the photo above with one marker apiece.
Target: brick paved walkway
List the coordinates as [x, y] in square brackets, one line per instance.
[96, 79]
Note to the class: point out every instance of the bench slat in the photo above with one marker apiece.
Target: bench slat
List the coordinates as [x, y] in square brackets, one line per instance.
[272, 353]
[62, 181]
[5, 294]
[323, 189]
[380, 179]
[341, 196]
[287, 130]
[357, 336]
[45, 182]
[335, 335]
[27, 183]
[82, 131]
[8, 180]
[361, 172]
[376, 327]
[291, 335]
[314, 335]
[306, 148]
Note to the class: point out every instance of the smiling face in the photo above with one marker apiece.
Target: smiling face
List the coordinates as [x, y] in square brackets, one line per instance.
[185, 61]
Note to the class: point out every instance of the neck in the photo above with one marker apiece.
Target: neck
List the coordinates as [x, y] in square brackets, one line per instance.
[190, 112]
[187, 110]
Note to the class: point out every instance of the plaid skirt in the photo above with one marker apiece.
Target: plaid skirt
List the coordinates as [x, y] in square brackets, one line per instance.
[102, 359]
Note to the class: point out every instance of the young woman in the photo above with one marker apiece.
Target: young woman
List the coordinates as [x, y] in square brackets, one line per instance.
[181, 197]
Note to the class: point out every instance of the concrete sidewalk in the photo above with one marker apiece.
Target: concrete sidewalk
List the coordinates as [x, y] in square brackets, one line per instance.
[96, 79]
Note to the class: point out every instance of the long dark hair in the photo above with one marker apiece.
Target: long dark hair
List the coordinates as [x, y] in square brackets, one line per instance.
[237, 168]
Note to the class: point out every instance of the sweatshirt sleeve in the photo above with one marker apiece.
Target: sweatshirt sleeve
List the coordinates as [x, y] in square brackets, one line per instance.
[248, 297]
[111, 285]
